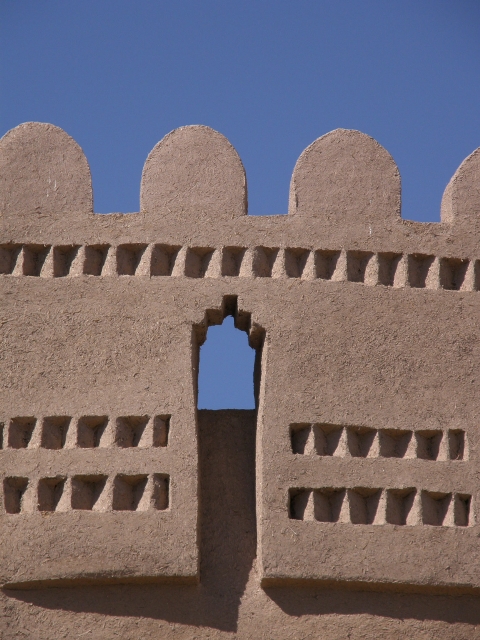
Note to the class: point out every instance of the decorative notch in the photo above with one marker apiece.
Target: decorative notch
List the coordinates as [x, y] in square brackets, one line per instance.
[430, 445]
[88, 493]
[163, 259]
[452, 273]
[363, 505]
[129, 257]
[326, 263]
[50, 493]
[232, 260]
[197, 261]
[20, 432]
[295, 262]
[263, 260]
[13, 491]
[387, 268]
[54, 432]
[161, 431]
[63, 258]
[357, 262]
[131, 431]
[418, 269]
[129, 493]
[160, 492]
[34, 258]
[95, 258]
[91, 431]
[402, 508]
[362, 442]
[9, 254]
[461, 509]
[436, 508]
[395, 443]
[457, 445]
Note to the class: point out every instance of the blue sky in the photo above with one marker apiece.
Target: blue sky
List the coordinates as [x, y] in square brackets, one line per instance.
[272, 76]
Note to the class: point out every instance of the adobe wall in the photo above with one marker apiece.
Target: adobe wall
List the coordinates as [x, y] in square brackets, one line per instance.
[345, 506]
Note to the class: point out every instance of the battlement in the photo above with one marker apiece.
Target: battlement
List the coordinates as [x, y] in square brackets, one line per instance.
[345, 193]
[366, 329]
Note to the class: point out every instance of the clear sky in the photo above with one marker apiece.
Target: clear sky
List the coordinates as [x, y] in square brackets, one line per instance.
[271, 75]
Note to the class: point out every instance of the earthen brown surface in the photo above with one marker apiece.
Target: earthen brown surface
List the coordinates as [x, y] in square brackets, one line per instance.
[344, 506]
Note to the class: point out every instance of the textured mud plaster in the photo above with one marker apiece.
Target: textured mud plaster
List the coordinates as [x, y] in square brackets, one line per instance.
[346, 505]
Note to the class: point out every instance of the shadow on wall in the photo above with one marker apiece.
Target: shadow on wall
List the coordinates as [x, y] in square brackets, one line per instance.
[228, 548]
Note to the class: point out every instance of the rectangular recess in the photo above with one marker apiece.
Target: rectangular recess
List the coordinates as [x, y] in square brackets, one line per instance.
[88, 493]
[50, 492]
[394, 443]
[20, 430]
[163, 259]
[91, 431]
[387, 267]
[363, 504]
[461, 509]
[301, 504]
[418, 268]
[129, 430]
[232, 260]
[13, 491]
[295, 261]
[95, 257]
[435, 507]
[128, 492]
[452, 273]
[129, 257]
[360, 441]
[160, 498]
[54, 431]
[8, 257]
[34, 256]
[197, 261]
[457, 445]
[429, 443]
[357, 262]
[263, 261]
[326, 263]
[63, 257]
[301, 439]
[400, 508]
[328, 504]
[161, 431]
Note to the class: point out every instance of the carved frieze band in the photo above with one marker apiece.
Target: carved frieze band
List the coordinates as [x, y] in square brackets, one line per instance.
[366, 505]
[393, 269]
[366, 442]
[59, 432]
[122, 492]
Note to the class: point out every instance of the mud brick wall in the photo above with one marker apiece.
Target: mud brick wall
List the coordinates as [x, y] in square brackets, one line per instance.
[346, 505]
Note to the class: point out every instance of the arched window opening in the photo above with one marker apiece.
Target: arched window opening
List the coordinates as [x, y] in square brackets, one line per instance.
[226, 369]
